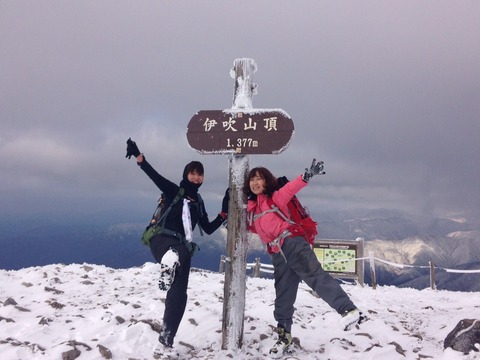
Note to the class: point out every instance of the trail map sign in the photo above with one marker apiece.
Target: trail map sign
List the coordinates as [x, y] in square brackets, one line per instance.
[252, 131]
[338, 257]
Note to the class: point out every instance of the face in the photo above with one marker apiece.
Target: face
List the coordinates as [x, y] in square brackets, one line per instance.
[257, 184]
[195, 177]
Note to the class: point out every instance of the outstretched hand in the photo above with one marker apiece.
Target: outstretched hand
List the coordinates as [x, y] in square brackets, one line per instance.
[315, 169]
[132, 149]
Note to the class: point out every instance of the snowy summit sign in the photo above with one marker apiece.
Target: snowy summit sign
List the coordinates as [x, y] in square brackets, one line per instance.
[240, 131]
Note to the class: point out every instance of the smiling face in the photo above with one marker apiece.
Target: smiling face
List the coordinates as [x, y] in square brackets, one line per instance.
[257, 184]
[195, 177]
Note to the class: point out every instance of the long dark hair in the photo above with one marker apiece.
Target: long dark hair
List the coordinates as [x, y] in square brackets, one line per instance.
[264, 173]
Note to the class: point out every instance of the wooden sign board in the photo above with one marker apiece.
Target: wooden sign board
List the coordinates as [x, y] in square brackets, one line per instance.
[252, 131]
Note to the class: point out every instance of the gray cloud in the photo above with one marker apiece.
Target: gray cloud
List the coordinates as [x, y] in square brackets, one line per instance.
[387, 93]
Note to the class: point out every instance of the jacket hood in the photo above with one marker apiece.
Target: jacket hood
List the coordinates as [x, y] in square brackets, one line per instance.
[191, 189]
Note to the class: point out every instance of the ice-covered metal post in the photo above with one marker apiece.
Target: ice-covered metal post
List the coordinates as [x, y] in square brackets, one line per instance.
[237, 244]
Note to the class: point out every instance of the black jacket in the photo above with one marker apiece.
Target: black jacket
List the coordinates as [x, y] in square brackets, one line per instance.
[197, 209]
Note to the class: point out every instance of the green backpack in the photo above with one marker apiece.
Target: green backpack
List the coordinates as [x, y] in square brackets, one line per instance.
[157, 223]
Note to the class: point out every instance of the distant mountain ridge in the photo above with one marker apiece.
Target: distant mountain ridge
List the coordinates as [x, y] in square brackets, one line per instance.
[382, 224]
[391, 234]
[407, 240]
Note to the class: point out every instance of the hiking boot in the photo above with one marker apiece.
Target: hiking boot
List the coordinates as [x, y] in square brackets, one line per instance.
[165, 353]
[350, 318]
[284, 344]
[167, 269]
[165, 338]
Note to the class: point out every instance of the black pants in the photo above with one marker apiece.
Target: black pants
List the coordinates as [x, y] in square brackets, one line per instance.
[176, 299]
[302, 264]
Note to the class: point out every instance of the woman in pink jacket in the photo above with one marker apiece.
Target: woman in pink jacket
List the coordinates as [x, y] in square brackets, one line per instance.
[292, 256]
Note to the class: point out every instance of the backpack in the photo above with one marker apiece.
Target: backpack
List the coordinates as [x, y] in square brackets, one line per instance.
[157, 223]
[303, 224]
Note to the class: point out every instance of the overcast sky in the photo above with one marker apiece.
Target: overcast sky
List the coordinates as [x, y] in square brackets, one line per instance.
[387, 93]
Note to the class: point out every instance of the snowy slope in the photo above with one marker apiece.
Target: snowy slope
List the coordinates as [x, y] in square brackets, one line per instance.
[46, 311]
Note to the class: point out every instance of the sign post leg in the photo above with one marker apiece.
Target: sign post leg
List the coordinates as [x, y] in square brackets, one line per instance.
[237, 244]
[236, 259]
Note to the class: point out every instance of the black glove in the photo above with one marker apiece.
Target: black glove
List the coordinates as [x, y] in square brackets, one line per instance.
[194, 248]
[315, 169]
[225, 201]
[132, 149]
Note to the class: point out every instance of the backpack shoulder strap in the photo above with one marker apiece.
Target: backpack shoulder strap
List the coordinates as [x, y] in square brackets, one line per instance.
[275, 209]
[201, 206]
[199, 199]
[181, 192]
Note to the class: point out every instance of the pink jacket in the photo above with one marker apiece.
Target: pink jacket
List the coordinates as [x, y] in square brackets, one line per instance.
[271, 225]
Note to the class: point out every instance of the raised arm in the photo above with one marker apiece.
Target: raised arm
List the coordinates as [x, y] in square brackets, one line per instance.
[161, 182]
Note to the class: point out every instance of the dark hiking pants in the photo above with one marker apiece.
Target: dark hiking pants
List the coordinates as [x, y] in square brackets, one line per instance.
[176, 299]
[302, 264]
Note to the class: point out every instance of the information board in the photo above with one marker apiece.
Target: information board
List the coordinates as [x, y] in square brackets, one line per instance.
[338, 257]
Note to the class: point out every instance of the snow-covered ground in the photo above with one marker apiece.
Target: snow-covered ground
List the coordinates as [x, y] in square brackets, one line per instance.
[46, 311]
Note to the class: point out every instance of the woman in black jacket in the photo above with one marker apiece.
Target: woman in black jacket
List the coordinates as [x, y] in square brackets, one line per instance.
[173, 246]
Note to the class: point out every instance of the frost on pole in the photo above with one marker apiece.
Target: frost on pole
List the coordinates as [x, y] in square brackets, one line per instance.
[242, 73]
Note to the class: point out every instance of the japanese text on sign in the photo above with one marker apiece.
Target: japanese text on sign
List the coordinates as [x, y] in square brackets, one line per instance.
[269, 123]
